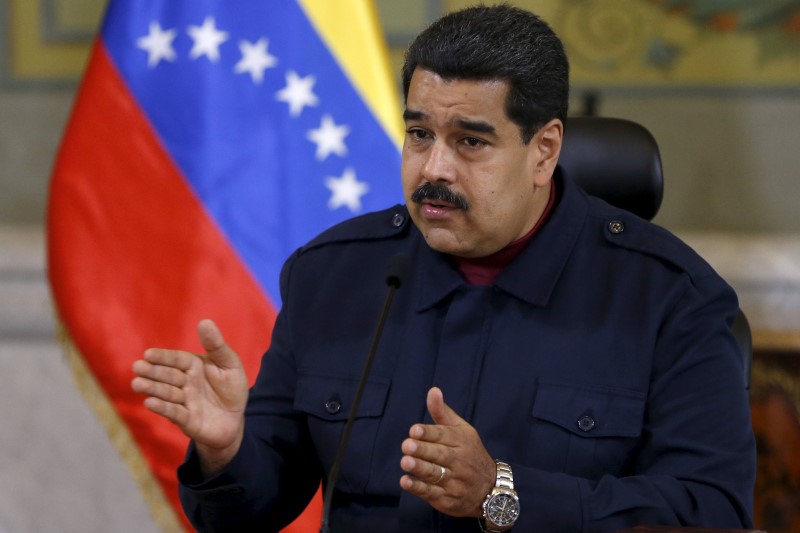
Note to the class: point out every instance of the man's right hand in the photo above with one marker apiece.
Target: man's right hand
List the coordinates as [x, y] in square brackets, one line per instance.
[203, 394]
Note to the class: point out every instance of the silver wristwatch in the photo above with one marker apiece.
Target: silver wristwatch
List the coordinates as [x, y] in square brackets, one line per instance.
[501, 506]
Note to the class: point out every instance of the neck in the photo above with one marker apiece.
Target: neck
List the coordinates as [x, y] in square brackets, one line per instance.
[484, 270]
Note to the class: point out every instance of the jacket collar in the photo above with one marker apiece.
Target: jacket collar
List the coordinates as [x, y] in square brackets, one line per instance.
[532, 275]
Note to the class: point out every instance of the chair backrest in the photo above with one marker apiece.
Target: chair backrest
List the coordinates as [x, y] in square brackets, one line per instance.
[618, 160]
[744, 338]
[615, 159]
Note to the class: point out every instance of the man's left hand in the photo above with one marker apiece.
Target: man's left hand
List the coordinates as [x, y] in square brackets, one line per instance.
[455, 446]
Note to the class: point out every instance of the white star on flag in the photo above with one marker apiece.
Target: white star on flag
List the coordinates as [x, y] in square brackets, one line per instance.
[255, 59]
[346, 190]
[158, 44]
[329, 138]
[298, 93]
[207, 39]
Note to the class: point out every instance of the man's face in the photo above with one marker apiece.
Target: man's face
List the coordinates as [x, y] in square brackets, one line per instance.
[479, 187]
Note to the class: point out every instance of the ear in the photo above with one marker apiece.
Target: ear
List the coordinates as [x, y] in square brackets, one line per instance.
[548, 144]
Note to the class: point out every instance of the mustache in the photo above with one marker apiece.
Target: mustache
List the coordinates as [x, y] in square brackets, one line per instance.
[429, 191]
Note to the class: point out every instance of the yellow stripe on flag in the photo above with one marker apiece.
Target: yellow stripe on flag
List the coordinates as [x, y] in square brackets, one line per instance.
[352, 31]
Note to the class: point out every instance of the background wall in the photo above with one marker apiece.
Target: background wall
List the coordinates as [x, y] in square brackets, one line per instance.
[730, 154]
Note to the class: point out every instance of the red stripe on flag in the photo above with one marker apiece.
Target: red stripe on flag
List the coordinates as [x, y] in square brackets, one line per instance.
[135, 261]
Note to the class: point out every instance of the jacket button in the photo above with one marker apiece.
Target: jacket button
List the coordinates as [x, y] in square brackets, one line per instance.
[616, 227]
[586, 423]
[333, 406]
[398, 219]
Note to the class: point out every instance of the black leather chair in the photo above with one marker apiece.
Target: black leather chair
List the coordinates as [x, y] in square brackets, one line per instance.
[618, 161]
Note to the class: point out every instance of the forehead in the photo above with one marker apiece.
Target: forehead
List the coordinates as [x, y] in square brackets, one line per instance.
[432, 97]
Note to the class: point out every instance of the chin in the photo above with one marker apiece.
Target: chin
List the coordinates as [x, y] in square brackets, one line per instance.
[445, 243]
[442, 237]
[437, 241]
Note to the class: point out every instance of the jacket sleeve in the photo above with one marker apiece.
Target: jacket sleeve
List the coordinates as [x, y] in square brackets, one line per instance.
[274, 475]
[695, 462]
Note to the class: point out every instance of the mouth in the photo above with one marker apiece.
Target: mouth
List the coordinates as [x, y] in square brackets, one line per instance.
[437, 210]
[438, 204]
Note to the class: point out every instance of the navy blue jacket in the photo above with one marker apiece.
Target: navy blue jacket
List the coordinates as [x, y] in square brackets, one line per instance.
[600, 365]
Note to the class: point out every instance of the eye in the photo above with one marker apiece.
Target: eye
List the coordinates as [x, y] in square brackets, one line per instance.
[473, 142]
[417, 133]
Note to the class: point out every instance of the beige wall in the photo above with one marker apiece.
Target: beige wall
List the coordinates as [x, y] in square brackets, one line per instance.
[731, 161]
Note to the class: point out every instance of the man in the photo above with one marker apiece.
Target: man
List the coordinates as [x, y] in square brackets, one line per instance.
[540, 367]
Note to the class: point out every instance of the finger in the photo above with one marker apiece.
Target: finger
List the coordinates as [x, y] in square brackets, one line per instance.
[155, 389]
[214, 344]
[427, 433]
[443, 416]
[427, 471]
[431, 452]
[163, 374]
[175, 413]
[420, 488]
[440, 411]
[141, 368]
[172, 358]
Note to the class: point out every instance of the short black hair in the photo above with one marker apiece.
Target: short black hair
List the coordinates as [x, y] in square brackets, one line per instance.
[499, 42]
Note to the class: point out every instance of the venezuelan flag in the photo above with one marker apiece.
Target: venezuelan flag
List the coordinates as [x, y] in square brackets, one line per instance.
[208, 140]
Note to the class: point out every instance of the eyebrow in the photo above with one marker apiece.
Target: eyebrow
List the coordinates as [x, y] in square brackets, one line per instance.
[413, 115]
[478, 126]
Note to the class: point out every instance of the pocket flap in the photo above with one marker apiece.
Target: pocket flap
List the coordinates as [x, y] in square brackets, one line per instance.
[590, 411]
[331, 397]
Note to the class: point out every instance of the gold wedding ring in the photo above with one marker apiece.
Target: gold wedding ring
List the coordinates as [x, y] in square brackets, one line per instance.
[441, 475]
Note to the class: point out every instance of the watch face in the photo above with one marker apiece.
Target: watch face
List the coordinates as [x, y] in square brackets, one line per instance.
[502, 509]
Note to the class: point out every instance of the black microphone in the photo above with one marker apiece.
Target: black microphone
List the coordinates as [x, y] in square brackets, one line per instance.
[397, 270]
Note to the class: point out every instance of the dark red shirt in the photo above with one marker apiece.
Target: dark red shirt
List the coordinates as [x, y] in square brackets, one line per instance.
[483, 270]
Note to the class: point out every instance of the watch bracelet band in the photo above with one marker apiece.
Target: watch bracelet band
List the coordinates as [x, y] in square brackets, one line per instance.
[504, 478]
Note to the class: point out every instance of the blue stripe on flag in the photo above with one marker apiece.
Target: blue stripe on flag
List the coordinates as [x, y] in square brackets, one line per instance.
[249, 159]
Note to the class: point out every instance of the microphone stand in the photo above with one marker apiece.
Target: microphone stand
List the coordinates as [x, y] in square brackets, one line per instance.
[393, 280]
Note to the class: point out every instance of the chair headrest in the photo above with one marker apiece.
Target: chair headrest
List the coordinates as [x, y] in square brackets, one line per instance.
[616, 160]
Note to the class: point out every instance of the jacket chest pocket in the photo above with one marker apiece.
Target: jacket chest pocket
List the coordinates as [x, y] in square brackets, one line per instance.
[585, 431]
[327, 401]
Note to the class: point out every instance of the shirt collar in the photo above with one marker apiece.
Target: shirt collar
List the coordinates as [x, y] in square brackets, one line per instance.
[532, 275]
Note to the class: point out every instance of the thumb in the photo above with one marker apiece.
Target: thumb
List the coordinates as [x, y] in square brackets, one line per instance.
[214, 344]
[441, 412]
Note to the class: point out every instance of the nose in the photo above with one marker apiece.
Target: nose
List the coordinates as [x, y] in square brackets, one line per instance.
[440, 164]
